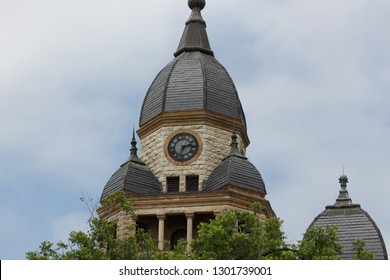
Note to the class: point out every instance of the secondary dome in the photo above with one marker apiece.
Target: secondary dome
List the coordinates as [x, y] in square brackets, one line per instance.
[133, 176]
[235, 170]
[352, 223]
[194, 80]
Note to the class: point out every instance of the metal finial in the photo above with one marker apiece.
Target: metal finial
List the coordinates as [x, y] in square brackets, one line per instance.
[196, 4]
[133, 150]
[343, 179]
[343, 198]
[234, 143]
[234, 151]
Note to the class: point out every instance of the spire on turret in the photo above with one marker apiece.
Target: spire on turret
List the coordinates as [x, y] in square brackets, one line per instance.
[343, 198]
[133, 152]
[133, 176]
[195, 37]
[235, 170]
[234, 151]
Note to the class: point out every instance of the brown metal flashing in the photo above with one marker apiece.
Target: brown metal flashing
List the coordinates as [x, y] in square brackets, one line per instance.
[194, 117]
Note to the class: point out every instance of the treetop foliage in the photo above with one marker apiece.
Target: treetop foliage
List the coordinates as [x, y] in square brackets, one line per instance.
[232, 235]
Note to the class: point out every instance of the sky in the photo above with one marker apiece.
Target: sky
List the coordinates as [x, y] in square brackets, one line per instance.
[313, 78]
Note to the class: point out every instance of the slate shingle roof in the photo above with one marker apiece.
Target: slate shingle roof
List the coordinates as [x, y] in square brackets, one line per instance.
[235, 170]
[353, 223]
[133, 176]
[194, 80]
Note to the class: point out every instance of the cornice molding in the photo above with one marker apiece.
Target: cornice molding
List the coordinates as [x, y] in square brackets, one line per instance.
[182, 202]
[194, 117]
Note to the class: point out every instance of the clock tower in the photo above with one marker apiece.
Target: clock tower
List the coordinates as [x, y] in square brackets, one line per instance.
[193, 139]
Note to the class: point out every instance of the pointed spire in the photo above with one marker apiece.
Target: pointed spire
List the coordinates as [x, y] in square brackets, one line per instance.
[133, 152]
[195, 37]
[234, 151]
[343, 198]
[234, 143]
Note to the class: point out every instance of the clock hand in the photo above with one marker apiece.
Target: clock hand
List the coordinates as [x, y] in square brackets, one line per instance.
[184, 146]
[181, 150]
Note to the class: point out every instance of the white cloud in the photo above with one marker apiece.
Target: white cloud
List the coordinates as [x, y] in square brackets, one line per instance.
[318, 102]
[313, 77]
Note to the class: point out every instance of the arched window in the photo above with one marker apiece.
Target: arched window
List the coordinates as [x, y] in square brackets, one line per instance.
[177, 236]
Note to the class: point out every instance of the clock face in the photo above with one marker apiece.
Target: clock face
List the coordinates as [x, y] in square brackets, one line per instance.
[183, 147]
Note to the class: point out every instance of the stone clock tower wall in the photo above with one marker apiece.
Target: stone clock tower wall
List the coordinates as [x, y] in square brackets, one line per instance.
[214, 147]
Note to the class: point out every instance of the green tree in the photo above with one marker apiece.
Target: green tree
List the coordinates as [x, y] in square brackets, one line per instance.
[238, 235]
[358, 247]
[320, 243]
[179, 252]
[233, 234]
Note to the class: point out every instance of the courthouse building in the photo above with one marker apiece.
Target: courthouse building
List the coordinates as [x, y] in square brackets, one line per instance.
[193, 139]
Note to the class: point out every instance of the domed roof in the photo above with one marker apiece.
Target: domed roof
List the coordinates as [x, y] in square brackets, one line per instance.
[353, 223]
[194, 80]
[133, 176]
[235, 170]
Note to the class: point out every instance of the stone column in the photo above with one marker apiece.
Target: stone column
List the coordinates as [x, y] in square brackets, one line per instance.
[161, 230]
[182, 184]
[190, 220]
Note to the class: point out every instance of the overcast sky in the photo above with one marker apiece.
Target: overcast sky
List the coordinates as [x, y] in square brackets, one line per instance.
[313, 78]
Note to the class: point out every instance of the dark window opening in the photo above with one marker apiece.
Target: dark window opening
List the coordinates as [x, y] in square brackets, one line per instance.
[173, 184]
[140, 227]
[192, 183]
[113, 229]
[177, 236]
